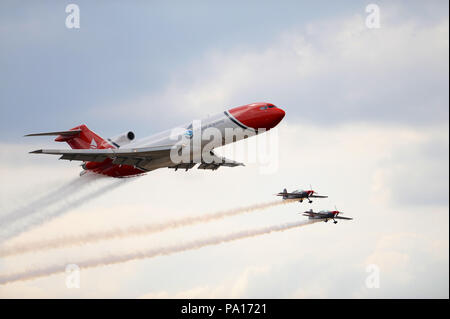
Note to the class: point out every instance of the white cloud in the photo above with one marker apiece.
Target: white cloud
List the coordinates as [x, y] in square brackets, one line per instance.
[336, 71]
[228, 288]
[340, 162]
[331, 72]
[412, 263]
[415, 171]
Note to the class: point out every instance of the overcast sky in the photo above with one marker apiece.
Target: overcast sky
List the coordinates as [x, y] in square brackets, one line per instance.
[366, 123]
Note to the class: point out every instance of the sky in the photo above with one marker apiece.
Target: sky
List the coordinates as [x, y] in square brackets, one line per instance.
[366, 123]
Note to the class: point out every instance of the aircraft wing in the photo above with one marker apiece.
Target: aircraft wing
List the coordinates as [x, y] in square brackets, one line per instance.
[217, 162]
[134, 157]
[290, 194]
[317, 196]
[340, 217]
[119, 156]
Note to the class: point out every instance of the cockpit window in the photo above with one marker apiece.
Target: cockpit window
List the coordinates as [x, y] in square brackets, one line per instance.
[268, 106]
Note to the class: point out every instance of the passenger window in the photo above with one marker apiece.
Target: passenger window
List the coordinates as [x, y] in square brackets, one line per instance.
[263, 108]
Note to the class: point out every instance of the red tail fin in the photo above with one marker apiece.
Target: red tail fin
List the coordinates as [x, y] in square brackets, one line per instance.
[84, 139]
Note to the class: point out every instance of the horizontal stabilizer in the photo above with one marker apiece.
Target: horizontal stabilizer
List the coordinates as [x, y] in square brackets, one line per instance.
[62, 133]
[289, 194]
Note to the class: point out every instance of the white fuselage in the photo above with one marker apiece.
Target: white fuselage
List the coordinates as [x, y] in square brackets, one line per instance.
[203, 132]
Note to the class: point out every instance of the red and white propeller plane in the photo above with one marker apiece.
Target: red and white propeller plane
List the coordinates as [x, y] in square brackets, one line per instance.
[325, 215]
[122, 156]
[300, 195]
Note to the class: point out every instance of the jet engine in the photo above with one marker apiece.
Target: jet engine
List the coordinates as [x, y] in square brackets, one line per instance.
[122, 139]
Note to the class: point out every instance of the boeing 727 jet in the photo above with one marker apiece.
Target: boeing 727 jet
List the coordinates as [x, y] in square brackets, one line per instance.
[122, 156]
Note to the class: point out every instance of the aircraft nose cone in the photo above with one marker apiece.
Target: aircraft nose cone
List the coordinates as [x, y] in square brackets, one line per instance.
[258, 115]
[276, 116]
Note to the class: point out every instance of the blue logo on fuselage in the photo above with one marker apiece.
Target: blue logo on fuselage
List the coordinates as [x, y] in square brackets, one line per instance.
[188, 133]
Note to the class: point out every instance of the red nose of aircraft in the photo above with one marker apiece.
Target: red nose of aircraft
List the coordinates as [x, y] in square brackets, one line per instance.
[257, 115]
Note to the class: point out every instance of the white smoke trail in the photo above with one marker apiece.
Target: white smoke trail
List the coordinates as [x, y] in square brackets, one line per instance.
[48, 199]
[132, 231]
[151, 253]
[70, 200]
